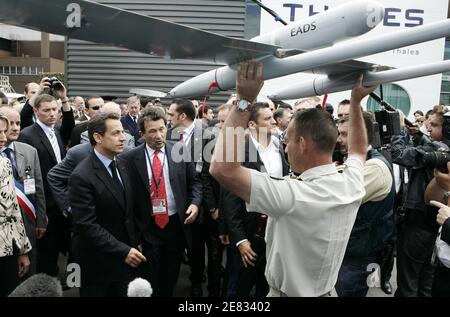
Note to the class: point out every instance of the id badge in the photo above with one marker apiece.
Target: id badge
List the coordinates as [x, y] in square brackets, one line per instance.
[29, 186]
[159, 206]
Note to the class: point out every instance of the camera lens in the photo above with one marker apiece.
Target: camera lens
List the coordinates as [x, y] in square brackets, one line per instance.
[436, 160]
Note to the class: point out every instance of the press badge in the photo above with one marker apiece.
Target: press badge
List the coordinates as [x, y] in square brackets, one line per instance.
[29, 186]
[159, 206]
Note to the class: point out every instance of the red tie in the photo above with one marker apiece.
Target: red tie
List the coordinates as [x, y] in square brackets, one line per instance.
[158, 191]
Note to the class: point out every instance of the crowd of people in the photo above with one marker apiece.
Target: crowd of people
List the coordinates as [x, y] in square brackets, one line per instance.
[250, 195]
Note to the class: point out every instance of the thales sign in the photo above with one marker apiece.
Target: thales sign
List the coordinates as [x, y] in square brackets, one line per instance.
[424, 92]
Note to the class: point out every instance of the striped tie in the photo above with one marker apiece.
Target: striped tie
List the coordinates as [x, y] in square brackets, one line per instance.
[55, 145]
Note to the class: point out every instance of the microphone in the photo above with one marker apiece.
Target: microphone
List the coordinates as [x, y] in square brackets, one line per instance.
[139, 288]
[38, 285]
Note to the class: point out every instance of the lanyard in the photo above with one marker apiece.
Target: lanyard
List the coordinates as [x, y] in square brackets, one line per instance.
[153, 173]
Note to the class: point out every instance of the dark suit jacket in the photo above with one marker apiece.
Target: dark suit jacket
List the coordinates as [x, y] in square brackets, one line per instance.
[445, 235]
[35, 136]
[58, 176]
[199, 140]
[104, 230]
[242, 224]
[26, 115]
[75, 137]
[186, 187]
[132, 127]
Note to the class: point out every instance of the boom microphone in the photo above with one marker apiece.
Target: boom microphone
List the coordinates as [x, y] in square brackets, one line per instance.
[139, 288]
[38, 285]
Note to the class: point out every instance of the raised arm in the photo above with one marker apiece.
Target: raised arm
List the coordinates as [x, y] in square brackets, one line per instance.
[225, 165]
[357, 136]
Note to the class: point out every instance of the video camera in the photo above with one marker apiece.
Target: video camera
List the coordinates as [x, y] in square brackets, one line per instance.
[387, 124]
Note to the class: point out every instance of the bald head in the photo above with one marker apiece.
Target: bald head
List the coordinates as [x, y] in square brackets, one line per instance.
[111, 107]
[14, 123]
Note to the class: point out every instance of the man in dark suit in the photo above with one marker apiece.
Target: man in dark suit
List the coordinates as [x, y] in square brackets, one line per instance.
[93, 106]
[105, 241]
[194, 135]
[25, 163]
[168, 194]
[58, 176]
[264, 153]
[50, 143]
[130, 121]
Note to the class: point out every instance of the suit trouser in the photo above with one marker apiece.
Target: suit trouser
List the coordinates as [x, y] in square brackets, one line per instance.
[254, 275]
[414, 268]
[206, 233]
[441, 282]
[55, 240]
[164, 260]
[352, 276]
[9, 274]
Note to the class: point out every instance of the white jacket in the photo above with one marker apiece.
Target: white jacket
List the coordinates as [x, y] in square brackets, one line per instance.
[12, 230]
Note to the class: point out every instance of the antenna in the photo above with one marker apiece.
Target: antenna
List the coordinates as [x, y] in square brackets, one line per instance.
[271, 12]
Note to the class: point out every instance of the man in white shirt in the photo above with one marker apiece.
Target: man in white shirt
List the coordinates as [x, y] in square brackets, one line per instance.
[310, 218]
[262, 153]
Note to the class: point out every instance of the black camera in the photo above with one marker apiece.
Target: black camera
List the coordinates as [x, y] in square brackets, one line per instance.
[388, 125]
[437, 160]
[54, 83]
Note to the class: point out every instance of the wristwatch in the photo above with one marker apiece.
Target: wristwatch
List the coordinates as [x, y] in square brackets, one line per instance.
[243, 105]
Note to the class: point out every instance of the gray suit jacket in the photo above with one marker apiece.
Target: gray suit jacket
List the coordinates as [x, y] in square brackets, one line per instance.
[27, 158]
[58, 176]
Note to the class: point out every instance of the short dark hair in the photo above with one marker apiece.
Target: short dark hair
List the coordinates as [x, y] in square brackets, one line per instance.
[153, 113]
[89, 99]
[185, 106]
[318, 126]
[97, 124]
[279, 113]
[419, 112]
[203, 111]
[43, 98]
[344, 102]
[255, 109]
[27, 86]
[439, 110]
[369, 120]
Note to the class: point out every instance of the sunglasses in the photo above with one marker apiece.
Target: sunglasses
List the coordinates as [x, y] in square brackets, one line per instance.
[96, 107]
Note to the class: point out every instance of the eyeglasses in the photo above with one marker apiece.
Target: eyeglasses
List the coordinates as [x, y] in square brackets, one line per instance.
[96, 107]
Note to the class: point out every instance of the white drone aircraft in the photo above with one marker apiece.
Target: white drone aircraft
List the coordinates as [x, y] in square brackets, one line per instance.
[310, 45]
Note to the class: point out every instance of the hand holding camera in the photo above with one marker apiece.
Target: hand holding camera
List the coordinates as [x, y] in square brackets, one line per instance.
[56, 86]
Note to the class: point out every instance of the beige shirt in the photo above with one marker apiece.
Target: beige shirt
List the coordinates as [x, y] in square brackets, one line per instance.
[310, 221]
[377, 180]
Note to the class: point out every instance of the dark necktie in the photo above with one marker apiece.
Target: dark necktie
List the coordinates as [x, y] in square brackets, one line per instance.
[115, 176]
[9, 154]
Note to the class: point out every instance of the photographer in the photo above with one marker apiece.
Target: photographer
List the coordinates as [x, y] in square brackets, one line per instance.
[415, 243]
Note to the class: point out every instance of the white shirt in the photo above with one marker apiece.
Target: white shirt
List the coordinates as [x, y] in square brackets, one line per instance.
[270, 156]
[187, 133]
[310, 221]
[51, 136]
[171, 207]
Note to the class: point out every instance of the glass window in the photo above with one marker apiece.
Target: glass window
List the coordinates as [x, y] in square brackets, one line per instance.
[393, 94]
[252, 19]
